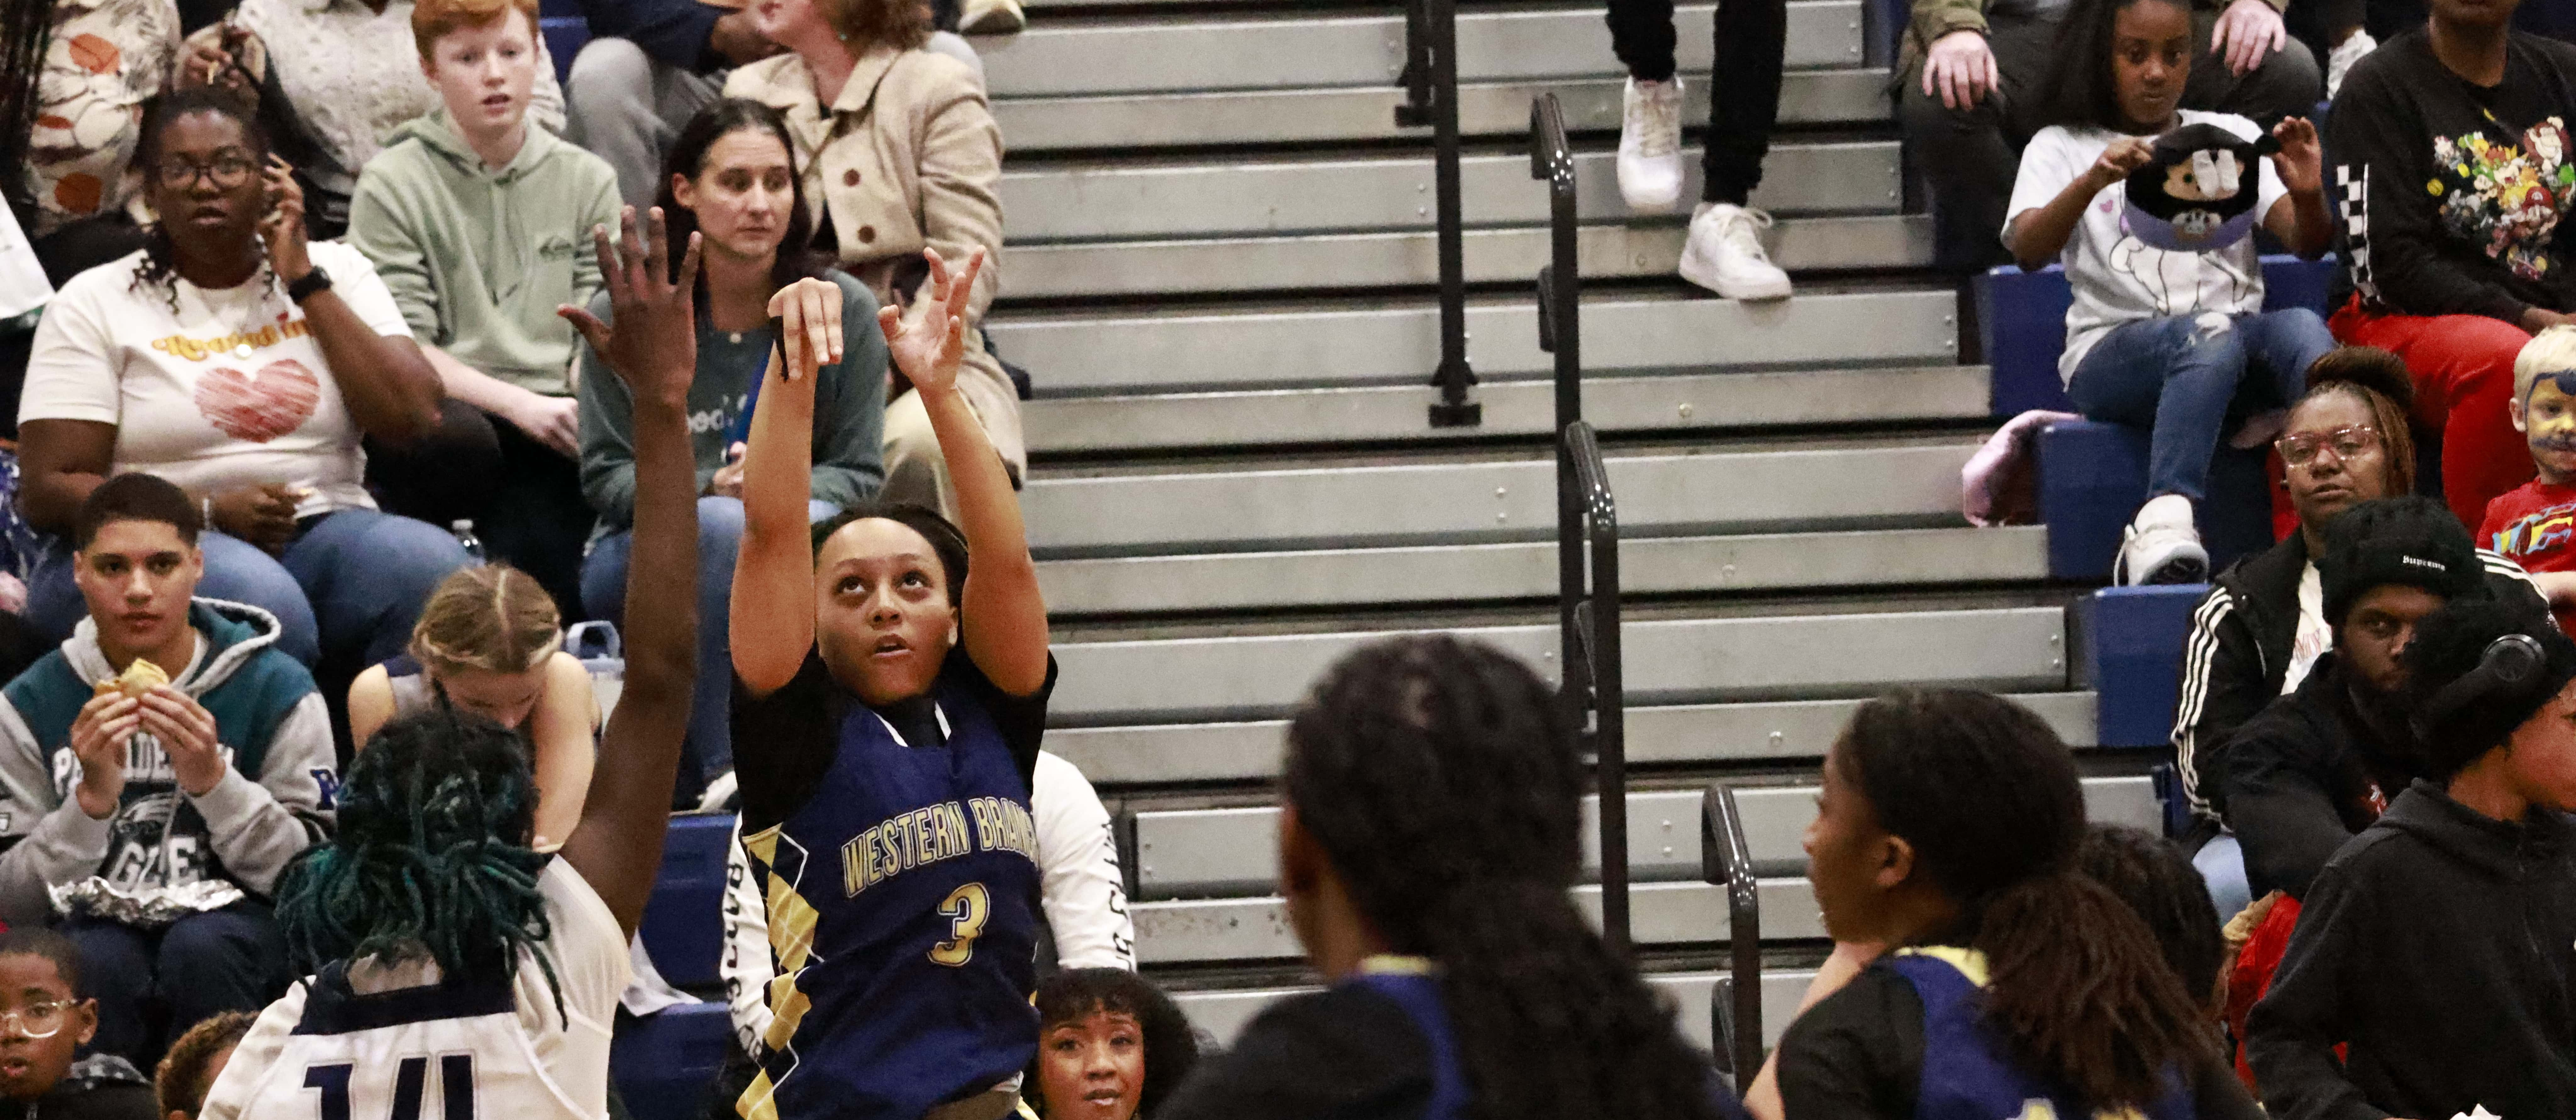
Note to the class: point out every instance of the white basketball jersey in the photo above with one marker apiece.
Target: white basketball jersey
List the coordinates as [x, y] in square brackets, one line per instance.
[455, 1050]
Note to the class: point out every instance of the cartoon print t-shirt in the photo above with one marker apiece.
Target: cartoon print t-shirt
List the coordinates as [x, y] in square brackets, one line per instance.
[230, 389]
[2535, 526]
[2118, 278]
[2505, 198]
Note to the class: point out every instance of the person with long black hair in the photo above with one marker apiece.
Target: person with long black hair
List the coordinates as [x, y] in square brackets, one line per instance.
[442, 942]
[238, 359]
[731, 175]
[1429, 836]
[1948, 828]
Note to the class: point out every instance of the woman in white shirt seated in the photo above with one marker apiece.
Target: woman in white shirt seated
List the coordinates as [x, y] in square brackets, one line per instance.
[237, 360]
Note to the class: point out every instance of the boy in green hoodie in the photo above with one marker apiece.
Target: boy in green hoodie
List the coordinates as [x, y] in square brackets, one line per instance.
[479, 222]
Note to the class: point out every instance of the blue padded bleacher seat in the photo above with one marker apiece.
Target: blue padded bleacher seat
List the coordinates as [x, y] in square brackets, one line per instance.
[2128, 650]
[684, 921]
[2093, 477]
[565, 36]
[665, 1062]
[2021, 318]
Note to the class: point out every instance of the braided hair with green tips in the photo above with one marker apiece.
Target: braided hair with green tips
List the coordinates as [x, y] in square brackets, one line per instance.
[431, 859]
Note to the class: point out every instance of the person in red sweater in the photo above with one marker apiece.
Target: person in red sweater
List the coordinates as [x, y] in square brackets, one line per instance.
[2535, 525]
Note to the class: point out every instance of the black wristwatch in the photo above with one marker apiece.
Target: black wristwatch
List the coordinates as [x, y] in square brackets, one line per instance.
[314, 281]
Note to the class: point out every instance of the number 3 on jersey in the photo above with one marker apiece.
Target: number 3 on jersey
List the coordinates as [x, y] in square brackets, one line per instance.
[455, 1088]
[965, 908]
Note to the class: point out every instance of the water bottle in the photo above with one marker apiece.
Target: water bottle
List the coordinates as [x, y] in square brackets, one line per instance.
[464, 531]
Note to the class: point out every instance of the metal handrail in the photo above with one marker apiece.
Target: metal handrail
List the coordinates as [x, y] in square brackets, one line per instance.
[1560, 327]
[1430, 82]
[1727, 860]
[1596, 684]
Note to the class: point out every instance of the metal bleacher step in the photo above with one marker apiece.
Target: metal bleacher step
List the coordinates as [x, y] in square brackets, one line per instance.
[1669, 661]
[1364, 114]
[1679, 403]
[1185, 854]
[1129, 757]
[1884, 558]
[1138, 200]
[1456, 503]
[1397, 342]
[1223, 1014]
[1268, 51]
[1329, 261]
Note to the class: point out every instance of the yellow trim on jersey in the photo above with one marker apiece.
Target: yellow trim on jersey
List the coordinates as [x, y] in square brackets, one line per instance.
[757, 1100]
[1971, 963]
[1396, 964]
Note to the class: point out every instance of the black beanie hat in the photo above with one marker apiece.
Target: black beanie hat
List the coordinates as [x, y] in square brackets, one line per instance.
[2452, 643]
[2412, 540]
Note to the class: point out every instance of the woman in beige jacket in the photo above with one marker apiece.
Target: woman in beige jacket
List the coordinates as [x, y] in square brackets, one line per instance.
[899, 152]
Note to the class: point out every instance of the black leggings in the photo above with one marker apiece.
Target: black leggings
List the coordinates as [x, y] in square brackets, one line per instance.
[1743, 84]
[523, 496]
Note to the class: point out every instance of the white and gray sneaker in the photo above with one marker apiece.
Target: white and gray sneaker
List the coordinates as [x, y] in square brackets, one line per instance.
[1725, 254]
[1650, 144]
[2161, 546]
[992, 17]
[2355, 47]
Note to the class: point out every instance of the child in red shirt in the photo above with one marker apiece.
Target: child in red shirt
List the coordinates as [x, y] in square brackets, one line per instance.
[2535, 525]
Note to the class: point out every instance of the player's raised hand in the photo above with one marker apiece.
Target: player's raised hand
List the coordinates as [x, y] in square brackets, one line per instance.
[653, 343]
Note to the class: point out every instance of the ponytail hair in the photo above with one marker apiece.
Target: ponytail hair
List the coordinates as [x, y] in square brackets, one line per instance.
[1988, 798]
[495, 618]
[1441, 779]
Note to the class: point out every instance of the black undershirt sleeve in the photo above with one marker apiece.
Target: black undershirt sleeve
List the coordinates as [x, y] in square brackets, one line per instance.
[784, 742]
[1020, 719]
[1857, 1054]
[1345, 1053]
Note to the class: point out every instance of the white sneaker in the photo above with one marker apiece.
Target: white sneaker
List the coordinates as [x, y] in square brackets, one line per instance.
[2161, 546]
[992, 17]
[723, 794]
[1650, 144]
[2355, 47]
[1725, 254]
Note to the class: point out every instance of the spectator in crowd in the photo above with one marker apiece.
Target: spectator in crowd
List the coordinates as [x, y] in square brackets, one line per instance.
[1949, 829]
[78, 73]
[732, 177]
[510, 960]
[490, 642]
[195, 1060]
[2344, 32]
[1081, 895]
[2165, 340]
[242, 363]
[2452, 164]
[2323, 761]
[1111, 1046]
[476, 220]
[899, 154]
[651, 67]
[332, 80]
[168, 752]
[2535, 525]
[2257, 633]
[1429, 836]
[853, 641]
[1971, 95]
[47, 1021]
[2424, 978]
[1724, 253]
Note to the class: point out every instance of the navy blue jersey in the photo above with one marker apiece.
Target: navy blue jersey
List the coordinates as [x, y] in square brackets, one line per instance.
[901, 891]
[1967, 1074]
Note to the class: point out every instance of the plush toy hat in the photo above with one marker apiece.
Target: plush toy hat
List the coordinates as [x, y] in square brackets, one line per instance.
[2198, 194]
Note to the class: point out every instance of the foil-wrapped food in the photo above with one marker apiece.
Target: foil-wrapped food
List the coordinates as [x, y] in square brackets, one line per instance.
[144, 907]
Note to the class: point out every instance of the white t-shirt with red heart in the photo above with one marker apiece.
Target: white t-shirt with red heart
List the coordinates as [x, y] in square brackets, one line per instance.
[230, 389]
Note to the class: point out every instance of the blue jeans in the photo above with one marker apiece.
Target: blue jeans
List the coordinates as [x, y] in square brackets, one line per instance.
[345, 593]
[603, 594]
[151, 986]
[2183, 378]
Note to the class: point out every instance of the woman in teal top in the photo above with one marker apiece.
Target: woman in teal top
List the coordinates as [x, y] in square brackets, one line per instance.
[731, 176]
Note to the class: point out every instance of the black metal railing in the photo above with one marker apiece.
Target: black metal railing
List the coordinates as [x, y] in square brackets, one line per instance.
[1587, 526]
[1735, 1011]
[1430, 82]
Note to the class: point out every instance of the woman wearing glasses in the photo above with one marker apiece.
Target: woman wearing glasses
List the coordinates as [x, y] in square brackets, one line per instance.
[235, 359]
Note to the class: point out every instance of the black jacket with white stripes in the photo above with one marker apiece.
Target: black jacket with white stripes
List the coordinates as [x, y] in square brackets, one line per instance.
[2238, 655]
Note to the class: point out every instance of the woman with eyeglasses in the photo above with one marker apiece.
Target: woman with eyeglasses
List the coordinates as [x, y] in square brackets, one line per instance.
[234, 358]
[44, 1021]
